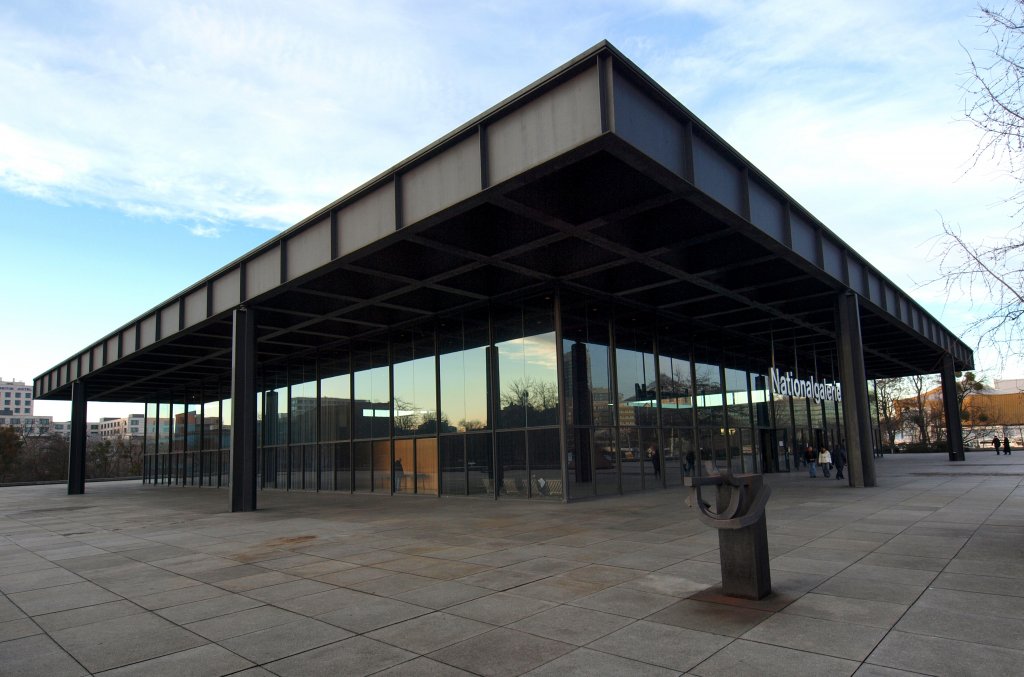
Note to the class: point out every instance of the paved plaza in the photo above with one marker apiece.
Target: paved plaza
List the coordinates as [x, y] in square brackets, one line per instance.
[922, 575]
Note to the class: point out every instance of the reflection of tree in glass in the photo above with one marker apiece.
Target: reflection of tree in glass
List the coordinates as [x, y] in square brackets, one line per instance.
[417, 421]
[528, 394]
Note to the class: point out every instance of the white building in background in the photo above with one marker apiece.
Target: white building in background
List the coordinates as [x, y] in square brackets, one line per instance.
[29, 426]
[133, 425]
[17, 411]
[15, 398]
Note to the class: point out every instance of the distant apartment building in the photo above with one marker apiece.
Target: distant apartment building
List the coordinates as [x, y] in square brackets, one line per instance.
[29, 426]
[124, 428]
[15, 398]
[17, 411]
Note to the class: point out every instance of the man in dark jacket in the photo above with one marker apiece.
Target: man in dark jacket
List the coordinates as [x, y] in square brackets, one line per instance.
[995, 443]
[839, 458]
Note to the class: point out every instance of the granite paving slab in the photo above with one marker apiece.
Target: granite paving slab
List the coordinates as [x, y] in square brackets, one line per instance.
[280, 641]
[354, 656]
[121, 641]
[501, 652]
[662, 645]
[585, 662]
[719, 619]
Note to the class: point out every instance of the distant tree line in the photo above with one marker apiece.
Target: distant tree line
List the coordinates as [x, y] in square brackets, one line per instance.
[911, 409]
[45, 458]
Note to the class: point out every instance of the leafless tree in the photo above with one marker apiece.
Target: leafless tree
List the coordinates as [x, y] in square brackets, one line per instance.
[990, 273]
[887, 392]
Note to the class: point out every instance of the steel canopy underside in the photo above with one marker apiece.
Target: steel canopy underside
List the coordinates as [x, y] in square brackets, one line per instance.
[602, 220]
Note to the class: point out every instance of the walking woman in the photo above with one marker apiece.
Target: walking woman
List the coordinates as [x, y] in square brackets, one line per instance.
[824, 460]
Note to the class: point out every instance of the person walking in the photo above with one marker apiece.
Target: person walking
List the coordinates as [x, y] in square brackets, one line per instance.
[1006, 446]
[995, 443]
[811, 461]
[840, 460]
[652, 453]
[825, 461]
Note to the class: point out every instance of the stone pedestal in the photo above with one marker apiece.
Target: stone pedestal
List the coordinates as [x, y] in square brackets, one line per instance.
[744, 555]
[742, 531]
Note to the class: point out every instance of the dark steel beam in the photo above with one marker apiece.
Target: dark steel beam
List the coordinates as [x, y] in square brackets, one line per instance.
[243, 411]
[853, 378]
[951, 407]
[76, 450]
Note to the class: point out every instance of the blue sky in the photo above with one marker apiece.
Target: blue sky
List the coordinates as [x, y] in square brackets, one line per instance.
[144, 145]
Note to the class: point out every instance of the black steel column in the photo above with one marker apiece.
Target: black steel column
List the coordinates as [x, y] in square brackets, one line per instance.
[243, 411]
[76, 453]
[852, 377]
[951, 406]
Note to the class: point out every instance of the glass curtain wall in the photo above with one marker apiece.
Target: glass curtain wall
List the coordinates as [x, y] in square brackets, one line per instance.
[637, 398]
[676, 400]
[768, 454]
[225, 441]
[591, 464]
[464, 422]
[739, 436]
[193, 438]
[149, 444]
[526, 390]
[415, 413]
[469, 405]
[335, 423]
[371, 394]
[303, 408]
[211, 443]
[275, 428]
[710, 415]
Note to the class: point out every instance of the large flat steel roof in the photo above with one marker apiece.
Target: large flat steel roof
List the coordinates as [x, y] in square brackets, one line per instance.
[593, 178]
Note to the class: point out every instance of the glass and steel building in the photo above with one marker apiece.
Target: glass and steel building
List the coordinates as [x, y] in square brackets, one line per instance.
[582, 292]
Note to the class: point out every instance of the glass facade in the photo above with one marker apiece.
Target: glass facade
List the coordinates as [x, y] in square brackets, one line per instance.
[549, 399]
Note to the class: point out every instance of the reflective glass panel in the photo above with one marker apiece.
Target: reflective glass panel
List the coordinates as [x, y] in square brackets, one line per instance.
[404, 480]
[680, 456]
[479, 464]
[512, 462]
[382, 477]
[193, 429]
[303, 404]
[527, 366]
[426, 465]
[415, 393]
[462, 343]
[676, 388]
[178, 434]
[737, 411]
[342, 466]
[362, 464]
[211, 425]
[579, 454]
[587, 366]
[225, 424]
[327, 470]
[335, 399]
[453, 465]
[545, 466]
[606, 461]
[651, 460]
[372, 394]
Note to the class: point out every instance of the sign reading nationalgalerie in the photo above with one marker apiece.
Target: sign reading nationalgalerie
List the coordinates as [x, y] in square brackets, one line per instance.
[787, 384]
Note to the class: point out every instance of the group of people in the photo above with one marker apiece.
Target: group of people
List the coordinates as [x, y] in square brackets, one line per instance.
[826, 460]
[1005, 445]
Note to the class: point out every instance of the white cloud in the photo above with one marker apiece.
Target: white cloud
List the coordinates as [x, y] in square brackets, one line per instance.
[204, 231]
